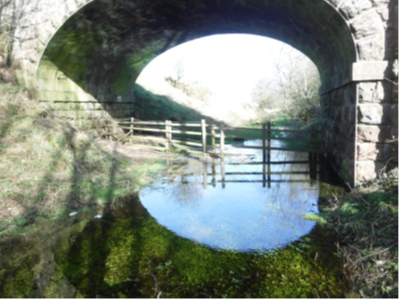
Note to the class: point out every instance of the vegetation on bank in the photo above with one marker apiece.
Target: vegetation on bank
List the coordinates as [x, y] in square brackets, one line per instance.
[366, 222]
[49, 168]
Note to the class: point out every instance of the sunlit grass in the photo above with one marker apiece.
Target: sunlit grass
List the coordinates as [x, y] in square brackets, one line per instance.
[49, 168]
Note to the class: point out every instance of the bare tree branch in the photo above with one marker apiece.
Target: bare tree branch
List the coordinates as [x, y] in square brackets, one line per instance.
[5, 4]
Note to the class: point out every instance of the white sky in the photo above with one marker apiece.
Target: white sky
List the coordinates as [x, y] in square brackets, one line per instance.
[229, 65]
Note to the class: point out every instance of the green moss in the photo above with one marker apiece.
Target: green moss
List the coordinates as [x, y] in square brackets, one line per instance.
[315, 217]
[17, 279]
[130, 71]
[124, 253]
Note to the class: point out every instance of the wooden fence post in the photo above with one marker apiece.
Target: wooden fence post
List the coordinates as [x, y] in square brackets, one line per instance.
[131, 130]
[221, 139]
[213, 136]
[168, 133]
[203, 127]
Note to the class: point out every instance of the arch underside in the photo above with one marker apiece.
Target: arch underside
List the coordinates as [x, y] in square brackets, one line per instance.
[90, 65]
[105, 45]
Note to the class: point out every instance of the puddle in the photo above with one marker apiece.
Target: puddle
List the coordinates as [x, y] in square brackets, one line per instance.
[233, 203]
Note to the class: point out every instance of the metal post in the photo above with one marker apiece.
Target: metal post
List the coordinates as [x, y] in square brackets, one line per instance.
[213, 136]
[269, 136]
[264, 142]
[264, 174]
[213, 172]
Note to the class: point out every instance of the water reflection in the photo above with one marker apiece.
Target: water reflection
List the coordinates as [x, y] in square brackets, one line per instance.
[238, 202]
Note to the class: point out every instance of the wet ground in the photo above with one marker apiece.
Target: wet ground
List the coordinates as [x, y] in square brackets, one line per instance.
[230, 227]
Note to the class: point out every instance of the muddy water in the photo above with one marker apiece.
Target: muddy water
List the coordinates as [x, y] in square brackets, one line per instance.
[221, 228]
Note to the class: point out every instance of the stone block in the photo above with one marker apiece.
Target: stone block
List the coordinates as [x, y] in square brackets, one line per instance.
[25, 34]
[45, 32]
[72, 6]
[384, 13]
[29, 54]
[80, 3]
[372, 48]
[374, 152]
[366, 133]
[394, 115]
[353, 7]
[375, 92]
[375, 114]
[367, 24]
[369, 70]
[368, 170]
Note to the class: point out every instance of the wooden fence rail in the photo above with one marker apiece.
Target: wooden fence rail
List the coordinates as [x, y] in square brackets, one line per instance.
[177, 133]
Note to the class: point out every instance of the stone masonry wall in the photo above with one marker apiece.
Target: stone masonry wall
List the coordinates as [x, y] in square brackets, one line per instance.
[360, 110]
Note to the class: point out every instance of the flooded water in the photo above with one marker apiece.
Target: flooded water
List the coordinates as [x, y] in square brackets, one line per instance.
[234, 203]
[231, 227]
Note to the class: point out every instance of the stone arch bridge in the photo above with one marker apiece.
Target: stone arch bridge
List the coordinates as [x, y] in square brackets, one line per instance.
[85, 55]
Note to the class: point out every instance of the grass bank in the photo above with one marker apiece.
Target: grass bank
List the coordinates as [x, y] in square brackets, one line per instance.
[366, 223]
[49, 168]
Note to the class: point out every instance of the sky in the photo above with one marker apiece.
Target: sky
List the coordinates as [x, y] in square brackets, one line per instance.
[229, 65]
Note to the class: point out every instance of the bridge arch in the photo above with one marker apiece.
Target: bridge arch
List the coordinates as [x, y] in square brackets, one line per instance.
[85, 55]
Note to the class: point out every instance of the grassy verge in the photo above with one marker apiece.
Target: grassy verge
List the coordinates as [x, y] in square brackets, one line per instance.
[366, 221]
[49, 168]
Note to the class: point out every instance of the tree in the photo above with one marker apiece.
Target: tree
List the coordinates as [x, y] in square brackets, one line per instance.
[263, 95]
[10, 15]
[298, 83]
[191, 89]
[293, 87]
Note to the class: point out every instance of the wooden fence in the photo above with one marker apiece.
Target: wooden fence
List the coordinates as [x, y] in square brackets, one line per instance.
[209, 136]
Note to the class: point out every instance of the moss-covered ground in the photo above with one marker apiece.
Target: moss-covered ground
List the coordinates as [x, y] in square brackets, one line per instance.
[128, 254]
